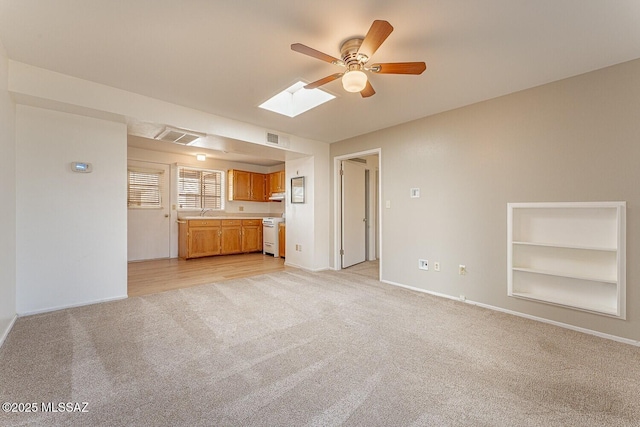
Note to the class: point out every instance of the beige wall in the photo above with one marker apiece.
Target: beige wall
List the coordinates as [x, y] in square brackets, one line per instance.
[8, 211]
[573, 140]
[71, 228]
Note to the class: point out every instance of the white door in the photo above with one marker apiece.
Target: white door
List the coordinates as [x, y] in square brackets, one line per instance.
[354, 225]
[149, 229]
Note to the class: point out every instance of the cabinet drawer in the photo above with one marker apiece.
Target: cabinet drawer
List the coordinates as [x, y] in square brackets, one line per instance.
[204, 223]
[251, 222]
[230, 222]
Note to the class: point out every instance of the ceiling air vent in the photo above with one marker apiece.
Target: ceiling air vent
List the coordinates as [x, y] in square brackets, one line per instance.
[178, 136]
[279, 140]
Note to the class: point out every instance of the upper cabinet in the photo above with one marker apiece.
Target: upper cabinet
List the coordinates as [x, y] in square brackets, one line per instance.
[246, 186]
[276, 183]
[253, 186]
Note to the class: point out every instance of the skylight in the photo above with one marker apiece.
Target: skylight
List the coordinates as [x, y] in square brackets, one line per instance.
[296, 100]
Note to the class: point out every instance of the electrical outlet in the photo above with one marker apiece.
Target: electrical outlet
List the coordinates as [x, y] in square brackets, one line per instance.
[423, 264]
[436, 266]
[462, 269]
[462, 297]
[240, 208]
[299, 248]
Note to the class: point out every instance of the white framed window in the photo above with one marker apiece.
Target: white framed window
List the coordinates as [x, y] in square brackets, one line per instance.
[144, 189]
[200, 188]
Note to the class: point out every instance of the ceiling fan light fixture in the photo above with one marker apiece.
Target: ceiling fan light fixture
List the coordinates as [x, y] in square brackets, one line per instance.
[354, 81]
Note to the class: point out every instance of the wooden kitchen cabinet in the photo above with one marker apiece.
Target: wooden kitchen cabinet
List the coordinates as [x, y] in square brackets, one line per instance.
[276, 183]
[199, 238]
[258, 187]
[246, 186]
[281, 239]
[231, 236]
[205, 237]
[251, 235]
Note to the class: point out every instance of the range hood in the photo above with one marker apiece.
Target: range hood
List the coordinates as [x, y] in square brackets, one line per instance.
[277, 196]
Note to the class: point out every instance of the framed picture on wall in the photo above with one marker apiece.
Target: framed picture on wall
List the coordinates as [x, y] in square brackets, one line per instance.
[297, 189]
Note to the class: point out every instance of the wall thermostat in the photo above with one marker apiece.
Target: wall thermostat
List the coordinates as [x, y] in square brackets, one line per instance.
[81, 167]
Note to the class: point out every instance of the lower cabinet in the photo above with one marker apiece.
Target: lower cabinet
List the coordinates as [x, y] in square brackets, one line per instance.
[251, 235]
[231, 236]
[200, 238]
[282, 239]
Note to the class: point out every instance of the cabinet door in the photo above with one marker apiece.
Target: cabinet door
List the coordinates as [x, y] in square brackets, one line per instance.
[183, 240]
[258, 187]
[269, 185]
[276, 182]
[252, 238]
[280, 181]
[281, 240]
[241, 185]
[204, 241]
[231, 239]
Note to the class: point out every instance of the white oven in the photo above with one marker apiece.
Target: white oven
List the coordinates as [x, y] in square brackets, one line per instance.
[270, 243]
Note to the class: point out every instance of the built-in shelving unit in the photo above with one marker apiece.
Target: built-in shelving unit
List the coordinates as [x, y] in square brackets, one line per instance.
[570, 254]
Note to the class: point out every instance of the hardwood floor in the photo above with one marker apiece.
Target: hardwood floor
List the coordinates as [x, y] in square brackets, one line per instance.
[149, 277]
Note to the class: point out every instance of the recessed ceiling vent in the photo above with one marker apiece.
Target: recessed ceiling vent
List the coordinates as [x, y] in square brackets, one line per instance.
[178, 136]
[279, 140]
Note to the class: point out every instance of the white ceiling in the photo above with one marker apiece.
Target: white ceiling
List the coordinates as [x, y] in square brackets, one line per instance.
[227, 57]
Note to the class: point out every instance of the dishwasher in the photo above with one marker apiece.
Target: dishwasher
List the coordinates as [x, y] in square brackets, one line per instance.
[270, 244]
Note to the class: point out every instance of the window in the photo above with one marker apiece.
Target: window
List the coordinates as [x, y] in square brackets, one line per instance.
[144, 189]
[200, 189]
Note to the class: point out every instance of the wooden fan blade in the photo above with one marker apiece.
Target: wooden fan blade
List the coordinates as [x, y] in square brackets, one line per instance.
[306, 50]
[377, 34]
[367, 91]
[399, 68]
[323, 81]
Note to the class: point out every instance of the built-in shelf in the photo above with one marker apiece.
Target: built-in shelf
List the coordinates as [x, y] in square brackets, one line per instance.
[568, 254]
[586, 248]
[563, 274]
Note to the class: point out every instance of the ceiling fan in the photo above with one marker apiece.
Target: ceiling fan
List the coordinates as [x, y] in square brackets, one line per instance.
[355, 53]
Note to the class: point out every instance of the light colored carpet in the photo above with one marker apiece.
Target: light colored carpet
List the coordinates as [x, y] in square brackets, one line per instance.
[295, 348]
[369, 269]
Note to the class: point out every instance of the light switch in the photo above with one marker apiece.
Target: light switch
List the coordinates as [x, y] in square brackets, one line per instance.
[388, 204]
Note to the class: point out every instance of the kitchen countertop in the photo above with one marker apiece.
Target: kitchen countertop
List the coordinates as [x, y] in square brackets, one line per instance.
[220, 217]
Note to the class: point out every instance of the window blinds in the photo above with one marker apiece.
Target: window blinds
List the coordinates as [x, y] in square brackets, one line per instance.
[144, 189]
[200, 189]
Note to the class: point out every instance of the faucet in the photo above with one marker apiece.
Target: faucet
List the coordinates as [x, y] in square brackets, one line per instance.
[204, 211]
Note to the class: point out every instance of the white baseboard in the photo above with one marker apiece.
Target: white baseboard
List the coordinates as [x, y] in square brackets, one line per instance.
[5, 334]
[314, 270]
[519, 314]
[62, 307]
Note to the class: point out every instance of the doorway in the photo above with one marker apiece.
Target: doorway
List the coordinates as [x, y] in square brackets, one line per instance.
[357, 215]
[149, 228]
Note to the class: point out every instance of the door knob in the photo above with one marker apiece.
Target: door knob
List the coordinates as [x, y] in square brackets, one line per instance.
[166, 215]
